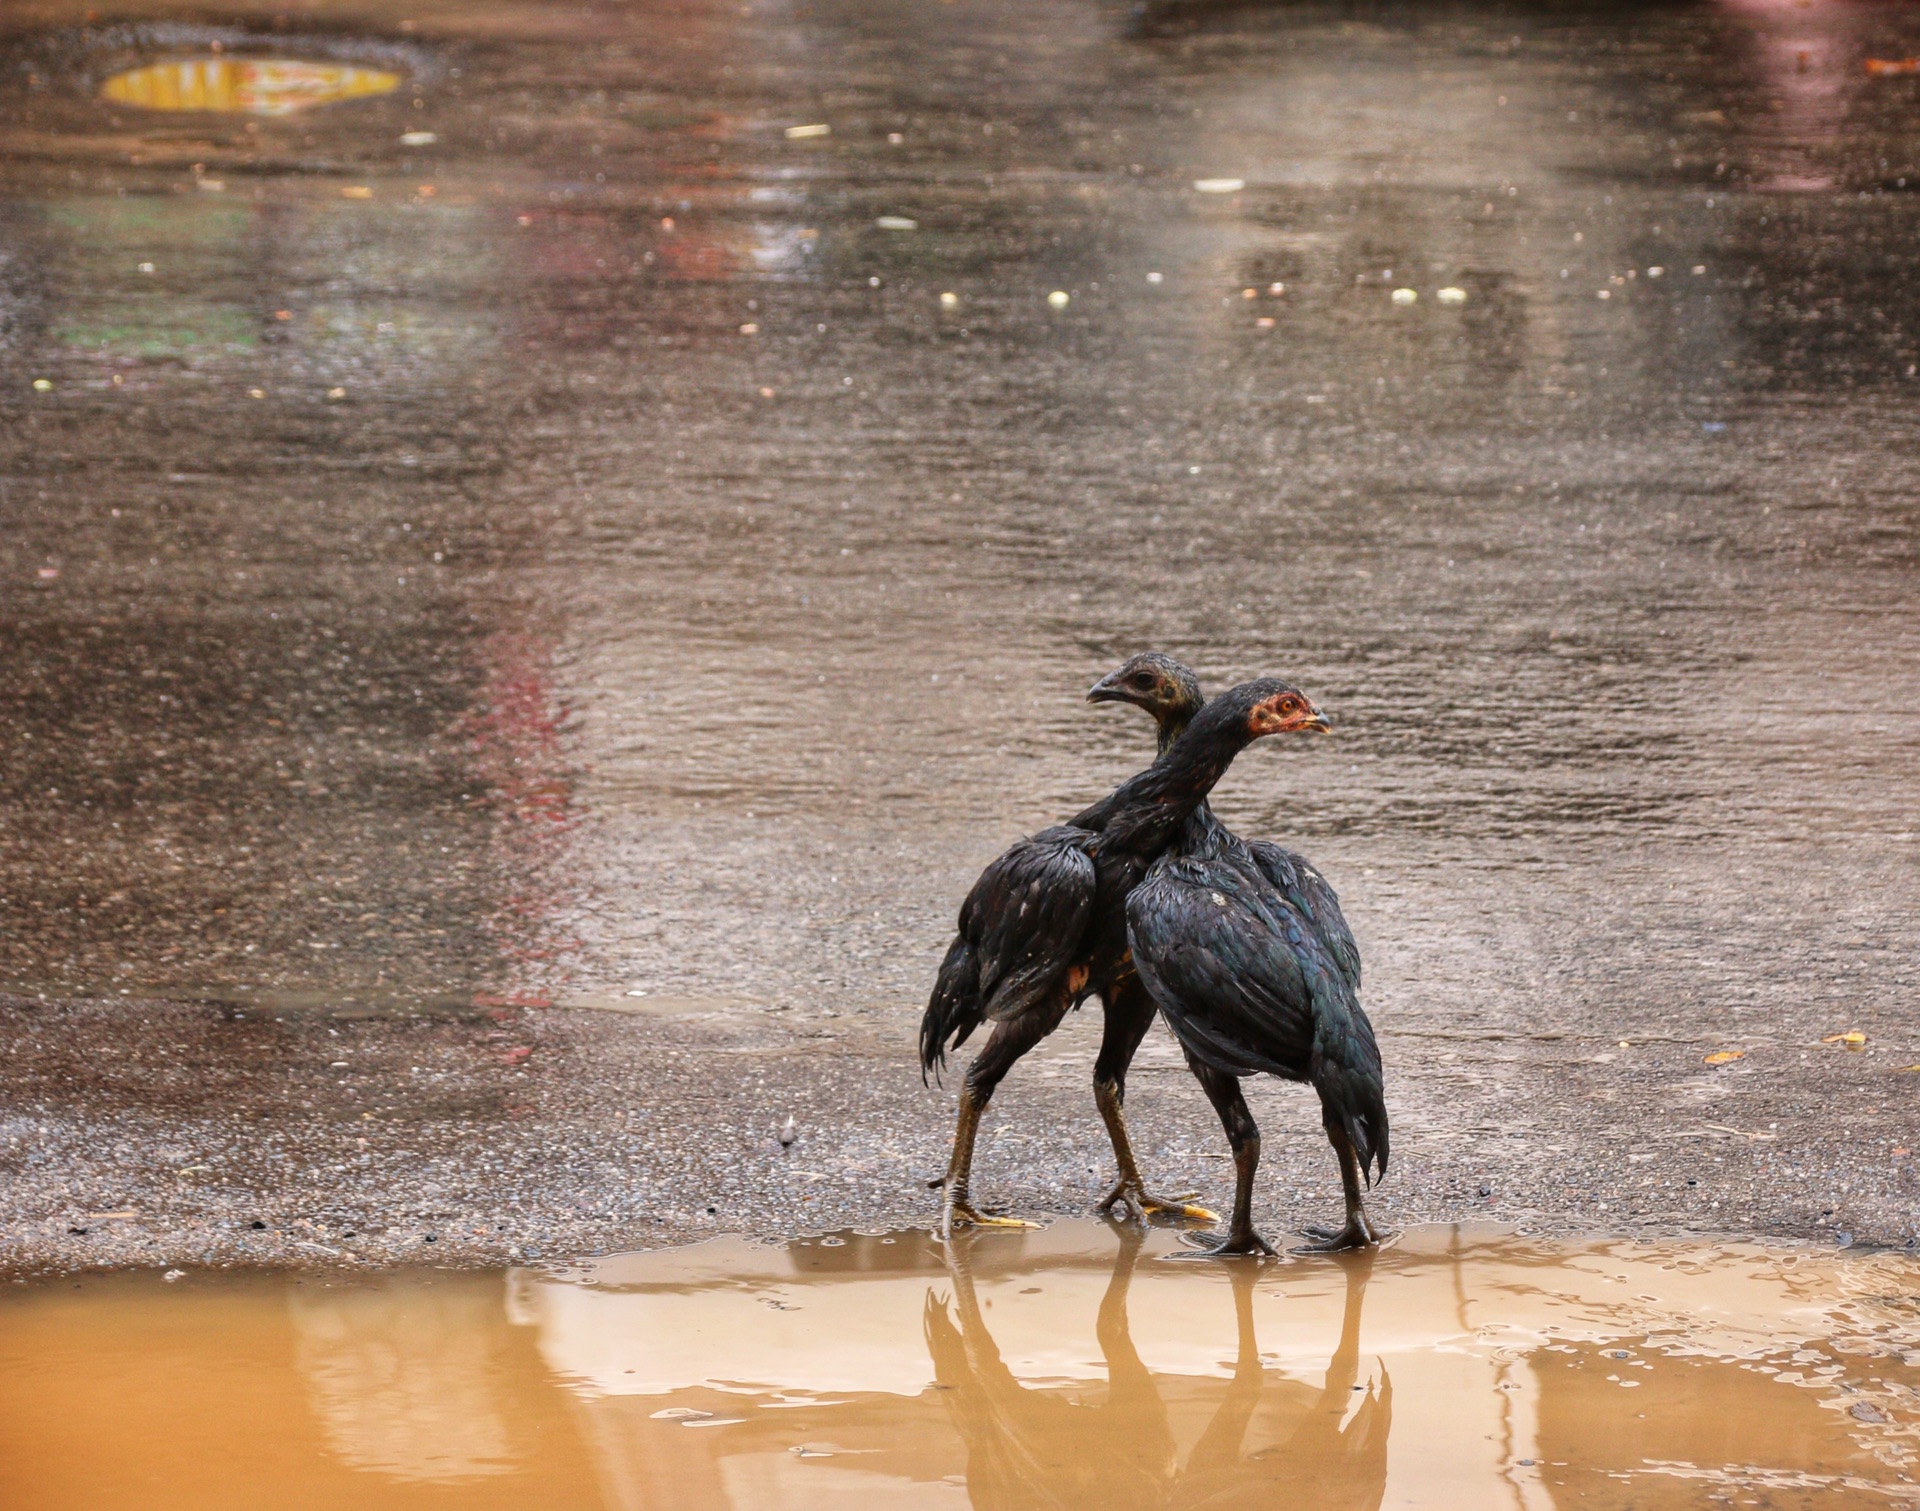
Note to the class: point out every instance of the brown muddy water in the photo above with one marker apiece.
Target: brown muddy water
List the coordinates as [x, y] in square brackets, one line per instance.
[1462, 1367]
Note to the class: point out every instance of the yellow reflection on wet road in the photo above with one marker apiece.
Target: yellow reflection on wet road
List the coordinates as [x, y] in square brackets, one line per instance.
[1066, 1368]
[246, 86]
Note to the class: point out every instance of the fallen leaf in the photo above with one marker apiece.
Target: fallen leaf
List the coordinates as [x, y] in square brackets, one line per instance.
[1893, 65]
[1852, 1038]
[1725, 1056]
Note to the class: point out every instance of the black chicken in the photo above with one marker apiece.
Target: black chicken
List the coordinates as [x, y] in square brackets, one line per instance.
[1045, 926]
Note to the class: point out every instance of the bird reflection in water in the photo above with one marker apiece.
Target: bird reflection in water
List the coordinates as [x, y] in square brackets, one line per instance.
[1030, 1448]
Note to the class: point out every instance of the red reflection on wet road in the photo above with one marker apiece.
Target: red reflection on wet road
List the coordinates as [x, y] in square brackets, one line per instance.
[520, 760]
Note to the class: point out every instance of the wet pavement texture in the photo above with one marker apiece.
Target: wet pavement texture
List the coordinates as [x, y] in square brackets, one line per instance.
[545, 535]
[1462, 1367]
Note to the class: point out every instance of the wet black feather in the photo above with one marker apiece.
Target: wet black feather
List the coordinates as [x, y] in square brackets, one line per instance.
[1248, 984]
[1300, 882]
[1020, 927]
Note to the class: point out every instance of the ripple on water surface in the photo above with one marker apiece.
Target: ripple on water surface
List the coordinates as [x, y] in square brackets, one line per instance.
[1064, 1367]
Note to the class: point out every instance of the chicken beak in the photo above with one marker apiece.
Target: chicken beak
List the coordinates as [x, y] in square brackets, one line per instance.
[1106, 690]
[1315, 722]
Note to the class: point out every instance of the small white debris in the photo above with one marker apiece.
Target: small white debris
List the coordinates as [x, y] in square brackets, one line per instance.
[1699, 268]
[799, 133]
[173, 1275]
[1156, 278]
[418, 138]
[681, 1414]
[1059, 299]
[896, 223]
[146, 267]
[1405, 296]
[750, 329]
[212, 186]
[1276, 289]
[1219, 185]
[43, 385]
[949, 301]
[1451, 296]
[788, 1133]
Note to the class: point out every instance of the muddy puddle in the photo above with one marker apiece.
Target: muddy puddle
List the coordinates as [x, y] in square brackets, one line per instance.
[1069, 1367]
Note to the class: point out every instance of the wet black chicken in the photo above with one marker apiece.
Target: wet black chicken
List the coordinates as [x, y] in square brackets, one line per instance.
[1045, 926]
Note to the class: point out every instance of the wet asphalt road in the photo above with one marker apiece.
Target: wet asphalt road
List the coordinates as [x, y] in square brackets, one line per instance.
[454, 586]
